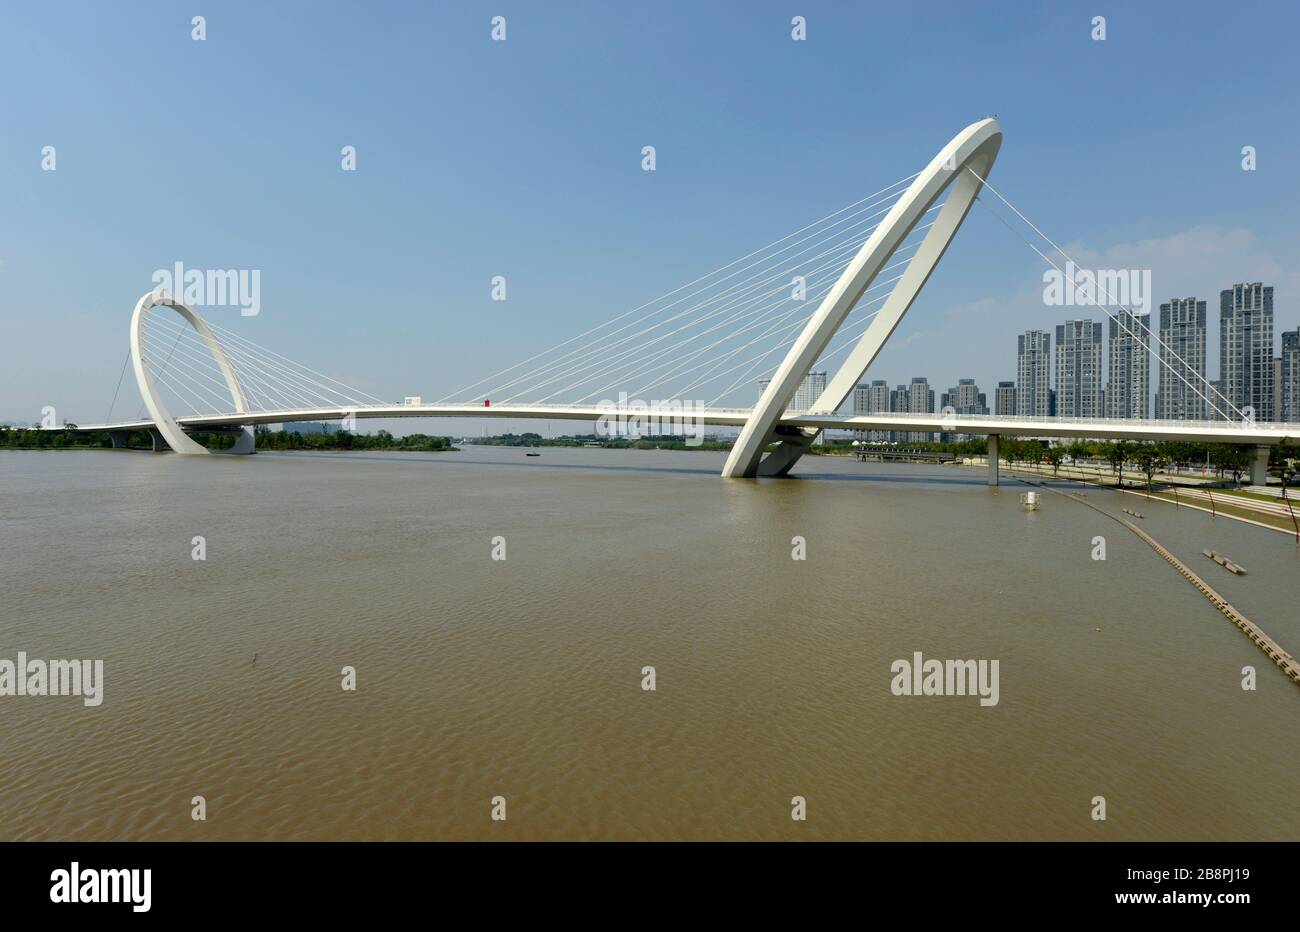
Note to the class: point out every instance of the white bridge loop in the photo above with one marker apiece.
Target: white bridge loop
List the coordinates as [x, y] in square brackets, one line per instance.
[975, 147]
[162, 418]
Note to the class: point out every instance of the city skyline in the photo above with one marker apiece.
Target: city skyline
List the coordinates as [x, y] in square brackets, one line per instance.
[1257, 370]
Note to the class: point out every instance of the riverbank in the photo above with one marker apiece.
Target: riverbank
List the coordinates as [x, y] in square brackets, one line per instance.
[75, 439]
[1274, 514]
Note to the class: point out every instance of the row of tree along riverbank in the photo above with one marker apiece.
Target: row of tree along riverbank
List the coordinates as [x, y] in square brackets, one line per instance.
[71, 438]
[1223, 460]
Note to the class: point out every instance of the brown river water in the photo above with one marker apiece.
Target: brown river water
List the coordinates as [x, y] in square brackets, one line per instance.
[522, 678]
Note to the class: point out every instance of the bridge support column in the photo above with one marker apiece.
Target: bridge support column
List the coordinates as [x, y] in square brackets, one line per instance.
[779, 462]
[1259, 466]
[118, 439]
[159, 444]
[993, 459]
[246, 442]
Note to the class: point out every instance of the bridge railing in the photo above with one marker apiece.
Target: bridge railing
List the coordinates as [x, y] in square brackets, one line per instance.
[905, 416]
[554, 405]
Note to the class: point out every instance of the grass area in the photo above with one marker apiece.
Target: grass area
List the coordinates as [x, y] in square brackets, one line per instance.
[1281, 522]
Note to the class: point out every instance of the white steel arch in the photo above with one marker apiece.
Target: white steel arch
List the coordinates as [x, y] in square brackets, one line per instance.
[975, 148]
[166, 424]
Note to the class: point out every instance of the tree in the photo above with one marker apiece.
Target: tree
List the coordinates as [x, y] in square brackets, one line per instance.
[1150, 458]
[1230, 458]
[1016, 450]
[1118, 456]
[1078, 451]
[1183, 454]
[1054, 455]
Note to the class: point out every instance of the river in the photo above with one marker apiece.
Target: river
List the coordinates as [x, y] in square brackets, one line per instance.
[522, 678]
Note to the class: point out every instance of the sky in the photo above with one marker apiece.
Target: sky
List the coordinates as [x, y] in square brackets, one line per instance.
[522, 158]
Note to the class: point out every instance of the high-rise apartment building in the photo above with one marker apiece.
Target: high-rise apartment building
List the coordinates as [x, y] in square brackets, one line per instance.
[1078, 369]
[1004, 399]
[1278, 391]
[860, 398]
[809, 390]
[900, 401]
[1034, 374]
[1128, 393]
[878, 396]
[1291, 376]
[920, 396]
[1246, 350]
[920, 400]
[1182, 391]
[872, 399]
[965, 398]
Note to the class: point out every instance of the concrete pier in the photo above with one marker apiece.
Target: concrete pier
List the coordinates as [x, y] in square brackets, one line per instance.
[1259, 466]
[993, 459]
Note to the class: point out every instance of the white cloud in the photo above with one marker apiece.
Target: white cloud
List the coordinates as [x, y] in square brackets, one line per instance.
[1199, 262]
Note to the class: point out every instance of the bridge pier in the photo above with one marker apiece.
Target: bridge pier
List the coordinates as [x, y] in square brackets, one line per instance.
[779, 462]
[245, 441]
[159, 444]
[117, 438]
[993, 459]
[1259, 466]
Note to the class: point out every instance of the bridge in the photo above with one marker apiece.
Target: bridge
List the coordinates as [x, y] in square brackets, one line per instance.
[829, 268]
[991, 426]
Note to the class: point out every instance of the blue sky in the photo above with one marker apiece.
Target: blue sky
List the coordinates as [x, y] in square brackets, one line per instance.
[522, 158]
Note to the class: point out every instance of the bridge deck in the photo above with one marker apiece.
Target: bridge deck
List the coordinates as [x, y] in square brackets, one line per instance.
[978, 424]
